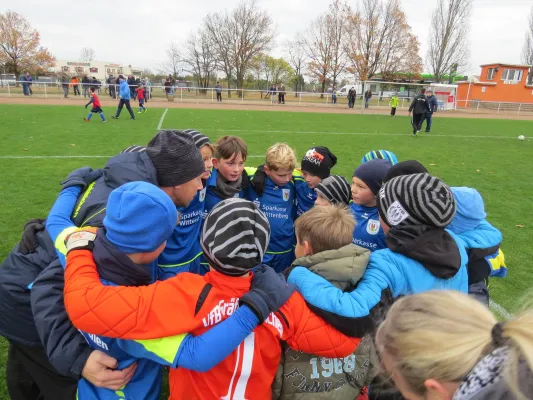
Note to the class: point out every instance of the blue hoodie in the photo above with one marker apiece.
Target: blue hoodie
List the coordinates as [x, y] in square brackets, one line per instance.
[470, 225]
[124, 90]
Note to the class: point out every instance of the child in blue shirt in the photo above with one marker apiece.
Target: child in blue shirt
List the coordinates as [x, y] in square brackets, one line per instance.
[183, 251]
[366, 182]
[228, 179]
[316, 165]
[275, 196]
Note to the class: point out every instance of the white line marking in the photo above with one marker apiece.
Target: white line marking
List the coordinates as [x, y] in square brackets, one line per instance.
[500, 310]
[162, 119]
[47, 157]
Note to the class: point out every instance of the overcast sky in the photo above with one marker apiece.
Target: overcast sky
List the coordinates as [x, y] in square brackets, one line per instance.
[130, 33]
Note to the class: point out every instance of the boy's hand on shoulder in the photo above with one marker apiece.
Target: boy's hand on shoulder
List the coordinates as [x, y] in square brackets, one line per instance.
[81, 239]
[100, 370]
[269, 291]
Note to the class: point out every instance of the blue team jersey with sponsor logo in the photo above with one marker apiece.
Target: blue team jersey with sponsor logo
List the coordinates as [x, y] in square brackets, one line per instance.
[277, 203]
[212, 198]
[305, 196]
[183, 251]
[367, 232]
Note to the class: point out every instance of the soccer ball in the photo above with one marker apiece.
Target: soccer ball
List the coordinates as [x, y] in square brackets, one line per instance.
[521, 137]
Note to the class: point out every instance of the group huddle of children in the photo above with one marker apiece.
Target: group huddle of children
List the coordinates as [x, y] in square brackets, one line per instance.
[190, 288]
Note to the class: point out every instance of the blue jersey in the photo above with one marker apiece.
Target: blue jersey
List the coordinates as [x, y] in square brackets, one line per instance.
[367, 232]
[277, 203]
[305, 196]
[211, 197]
[183, 251]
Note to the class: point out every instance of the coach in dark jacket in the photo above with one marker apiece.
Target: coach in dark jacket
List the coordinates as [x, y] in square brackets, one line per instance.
[419, 107]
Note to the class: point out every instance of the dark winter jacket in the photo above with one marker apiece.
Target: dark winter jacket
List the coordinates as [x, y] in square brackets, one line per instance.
[433, 103]
[36, 266]
[420, 105]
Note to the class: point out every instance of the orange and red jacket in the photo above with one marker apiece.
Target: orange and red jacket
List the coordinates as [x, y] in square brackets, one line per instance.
[192, 303]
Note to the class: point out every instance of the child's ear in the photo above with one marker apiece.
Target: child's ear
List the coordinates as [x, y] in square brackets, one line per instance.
[308, 250]
[215, 163]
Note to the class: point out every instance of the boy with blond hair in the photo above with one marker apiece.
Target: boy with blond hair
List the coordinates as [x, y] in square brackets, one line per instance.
[273, 191]
[228, 178]
[324, 236]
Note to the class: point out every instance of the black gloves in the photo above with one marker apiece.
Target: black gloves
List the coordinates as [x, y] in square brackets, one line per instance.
[268, 293]
[28, 243]
[258, 181]
[82, 177]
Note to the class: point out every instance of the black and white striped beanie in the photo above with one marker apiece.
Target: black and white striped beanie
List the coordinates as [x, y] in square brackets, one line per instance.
[335, 189]
[199, 138]
[419, 199]
[235, 236]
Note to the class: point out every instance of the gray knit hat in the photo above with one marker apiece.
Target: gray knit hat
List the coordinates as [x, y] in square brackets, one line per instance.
[199, 138]
[419, 199]
[335, 189]
[175, 157]
[235, 236]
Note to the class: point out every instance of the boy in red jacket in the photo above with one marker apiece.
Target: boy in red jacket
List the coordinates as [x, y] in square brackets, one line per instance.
[140, 97]
[95, 101]
[234, 239]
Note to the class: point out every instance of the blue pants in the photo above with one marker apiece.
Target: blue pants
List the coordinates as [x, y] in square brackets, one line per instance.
[429, 119]
[280, 262]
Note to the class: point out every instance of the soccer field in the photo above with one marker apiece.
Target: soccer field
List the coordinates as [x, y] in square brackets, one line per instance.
[40, 145]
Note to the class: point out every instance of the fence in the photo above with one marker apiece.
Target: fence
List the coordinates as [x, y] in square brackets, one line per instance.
[380, 102]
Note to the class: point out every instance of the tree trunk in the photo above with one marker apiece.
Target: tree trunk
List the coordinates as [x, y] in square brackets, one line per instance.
[323, 89]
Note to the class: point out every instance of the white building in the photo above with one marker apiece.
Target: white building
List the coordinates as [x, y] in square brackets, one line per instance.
[100, 70]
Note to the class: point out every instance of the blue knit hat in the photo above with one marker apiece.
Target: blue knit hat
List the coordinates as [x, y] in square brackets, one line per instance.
[372, 173]
[470, 210]
[139, 217]
[380, 154]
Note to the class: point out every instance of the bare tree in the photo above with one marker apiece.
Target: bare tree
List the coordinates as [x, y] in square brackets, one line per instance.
[218, 29]
[172, 64]
[323, 43]
[200, 57]
[87, 54]
[527, 51]
[448, 39]
[296, 57]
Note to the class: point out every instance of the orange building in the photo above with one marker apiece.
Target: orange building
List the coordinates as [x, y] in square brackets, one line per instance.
[497, 83]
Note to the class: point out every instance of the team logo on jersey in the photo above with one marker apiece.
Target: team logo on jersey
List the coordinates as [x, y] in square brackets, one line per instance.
[286, 194]
[372, 226]
[202, 194]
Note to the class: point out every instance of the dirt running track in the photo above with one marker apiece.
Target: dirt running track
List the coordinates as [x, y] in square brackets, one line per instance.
[237, 105]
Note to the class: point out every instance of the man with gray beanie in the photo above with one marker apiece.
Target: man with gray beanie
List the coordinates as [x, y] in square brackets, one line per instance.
[171, 161]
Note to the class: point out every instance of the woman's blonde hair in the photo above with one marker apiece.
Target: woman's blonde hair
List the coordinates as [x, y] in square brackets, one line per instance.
[442, 335]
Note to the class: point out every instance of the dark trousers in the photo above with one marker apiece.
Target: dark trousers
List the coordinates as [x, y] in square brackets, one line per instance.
[429, 121]
[76, 90]
[417, 122]
[393, 111]
[30, 376]
[121, 104]
[219, 97]
[281, 98]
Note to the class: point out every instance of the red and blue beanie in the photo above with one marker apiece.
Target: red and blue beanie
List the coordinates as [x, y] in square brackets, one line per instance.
[319, 161]
[139, 217]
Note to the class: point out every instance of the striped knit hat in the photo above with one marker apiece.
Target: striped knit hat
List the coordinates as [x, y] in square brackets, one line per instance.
[199, 138]
[335, 189]
[419, 199]
[235, 236]
[380, 154]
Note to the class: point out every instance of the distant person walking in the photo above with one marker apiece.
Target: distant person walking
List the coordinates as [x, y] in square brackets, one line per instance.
[420, 108]
[219, 92]
[86, 84]
[124, 93]
[368, 96]
[433, 107]
[352, 94]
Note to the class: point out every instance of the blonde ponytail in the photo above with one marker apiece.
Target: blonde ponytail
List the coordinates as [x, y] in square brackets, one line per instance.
[442, 335]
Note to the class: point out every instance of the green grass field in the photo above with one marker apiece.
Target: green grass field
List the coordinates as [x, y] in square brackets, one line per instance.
[479, 153]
